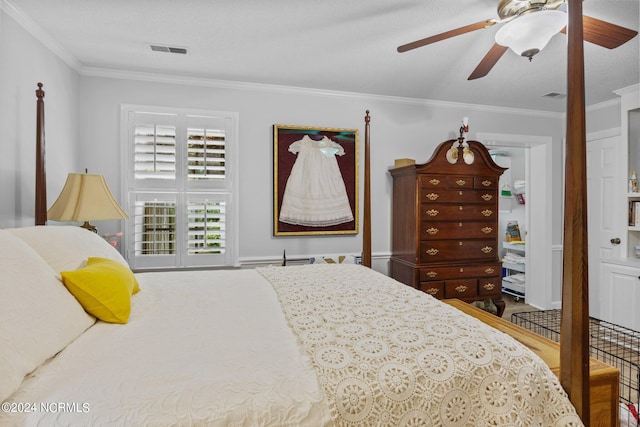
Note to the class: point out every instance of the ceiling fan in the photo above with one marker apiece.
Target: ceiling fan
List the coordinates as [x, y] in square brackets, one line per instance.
[528, 27]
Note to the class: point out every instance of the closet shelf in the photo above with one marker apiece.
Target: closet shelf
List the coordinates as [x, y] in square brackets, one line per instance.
[519, 246]
[513, 263]
[513, 266]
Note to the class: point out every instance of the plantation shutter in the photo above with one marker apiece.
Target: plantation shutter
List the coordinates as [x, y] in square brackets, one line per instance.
[206, 153]
[206, 229]
[180, 189]
[206, 233]
[206, 160]
[155, 233]
[154, 146]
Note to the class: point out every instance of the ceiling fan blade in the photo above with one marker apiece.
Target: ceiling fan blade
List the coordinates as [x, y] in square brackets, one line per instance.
[604, 33]
[448, 34]
[489, 60]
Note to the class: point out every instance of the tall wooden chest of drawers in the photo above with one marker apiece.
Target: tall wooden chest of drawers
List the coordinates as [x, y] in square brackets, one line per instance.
[445, 224]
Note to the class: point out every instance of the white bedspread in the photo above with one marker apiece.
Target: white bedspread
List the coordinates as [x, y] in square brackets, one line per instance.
[201, 348]
[352, 347]
[388, 355]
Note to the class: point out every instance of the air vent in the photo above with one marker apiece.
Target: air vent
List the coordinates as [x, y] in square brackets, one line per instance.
[555, 95]
[168, 49]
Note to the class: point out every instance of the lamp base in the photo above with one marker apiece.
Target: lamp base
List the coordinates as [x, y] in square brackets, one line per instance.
[89, 227]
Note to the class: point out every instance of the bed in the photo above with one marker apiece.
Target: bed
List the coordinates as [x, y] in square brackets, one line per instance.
[316, 345]
[310, 345]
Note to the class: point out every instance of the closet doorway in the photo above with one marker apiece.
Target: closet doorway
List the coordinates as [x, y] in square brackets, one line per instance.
[541, 267]
[513, 214]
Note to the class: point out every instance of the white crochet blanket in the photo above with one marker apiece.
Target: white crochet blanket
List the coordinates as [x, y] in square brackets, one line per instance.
[386, 354]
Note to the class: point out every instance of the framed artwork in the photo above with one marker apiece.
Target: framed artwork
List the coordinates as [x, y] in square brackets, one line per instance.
[315, 180]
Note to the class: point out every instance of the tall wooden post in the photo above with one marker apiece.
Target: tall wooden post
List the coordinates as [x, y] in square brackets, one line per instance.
[41, 180]
[366, 237]
[574, 328]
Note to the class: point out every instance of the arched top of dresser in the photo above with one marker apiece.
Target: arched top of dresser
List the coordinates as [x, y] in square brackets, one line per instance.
[483, 164]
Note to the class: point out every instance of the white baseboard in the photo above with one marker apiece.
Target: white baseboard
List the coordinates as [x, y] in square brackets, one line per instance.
[379, 261]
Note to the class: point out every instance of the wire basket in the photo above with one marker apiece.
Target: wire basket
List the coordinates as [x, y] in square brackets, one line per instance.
[612, 344]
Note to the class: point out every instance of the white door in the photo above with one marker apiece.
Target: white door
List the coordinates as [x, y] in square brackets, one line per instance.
[604, 212]
[620, 293]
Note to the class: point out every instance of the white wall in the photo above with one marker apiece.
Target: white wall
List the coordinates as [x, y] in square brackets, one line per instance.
[24, 61]
[603, 116]
[399, 128]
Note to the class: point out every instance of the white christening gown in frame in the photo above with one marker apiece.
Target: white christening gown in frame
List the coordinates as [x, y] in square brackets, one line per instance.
[315, 194]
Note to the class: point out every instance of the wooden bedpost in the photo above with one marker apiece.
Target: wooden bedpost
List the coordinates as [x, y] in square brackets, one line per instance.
[41, 181]
[366, 226]
[574, 328]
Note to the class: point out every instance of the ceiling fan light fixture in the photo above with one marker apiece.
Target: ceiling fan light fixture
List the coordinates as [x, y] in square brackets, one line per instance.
[529, 33]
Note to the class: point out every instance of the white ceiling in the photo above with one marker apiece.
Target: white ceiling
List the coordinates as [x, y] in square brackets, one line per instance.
[344, 45]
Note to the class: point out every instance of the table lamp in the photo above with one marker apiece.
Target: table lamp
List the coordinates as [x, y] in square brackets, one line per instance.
[85, 197]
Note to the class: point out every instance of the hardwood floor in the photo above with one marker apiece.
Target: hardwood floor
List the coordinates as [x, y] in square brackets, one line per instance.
[513, 306]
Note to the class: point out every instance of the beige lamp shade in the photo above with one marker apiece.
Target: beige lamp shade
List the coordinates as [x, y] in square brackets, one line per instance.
[85, 197]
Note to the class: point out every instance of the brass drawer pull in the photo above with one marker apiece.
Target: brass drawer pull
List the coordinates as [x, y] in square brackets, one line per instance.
[486, 230]
[431, 274]
[434, 181]
[486, 197]
[461, 182]
[432, 196]
[486, 183]
[487, 212]
[489, 286]
[431, 291]
[432, 212]
[489, 270]
[432, 230]
[487, 249]
[432, 251]
[461, 288]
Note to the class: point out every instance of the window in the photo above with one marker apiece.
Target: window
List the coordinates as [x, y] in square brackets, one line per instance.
[181, 187]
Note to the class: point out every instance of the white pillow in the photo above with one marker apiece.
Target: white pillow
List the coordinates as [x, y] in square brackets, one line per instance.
[38, 316]
[66, 247]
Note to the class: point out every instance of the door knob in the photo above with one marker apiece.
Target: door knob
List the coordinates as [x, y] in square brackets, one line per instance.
[615, 241]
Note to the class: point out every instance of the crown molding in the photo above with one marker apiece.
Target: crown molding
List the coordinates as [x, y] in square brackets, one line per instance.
[628, 89]
[237, 85]
[40, 34]
[612, 103]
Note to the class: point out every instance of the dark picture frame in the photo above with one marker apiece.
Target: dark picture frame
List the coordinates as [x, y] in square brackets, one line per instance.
[283, 165]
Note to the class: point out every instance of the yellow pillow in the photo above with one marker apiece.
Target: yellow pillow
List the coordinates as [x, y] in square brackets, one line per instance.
[134, 288]
[103, 288]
